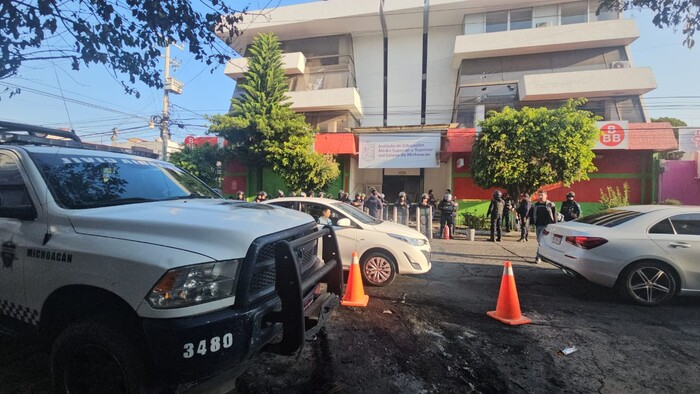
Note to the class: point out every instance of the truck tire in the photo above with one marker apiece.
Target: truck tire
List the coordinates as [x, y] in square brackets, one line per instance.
[92, 356]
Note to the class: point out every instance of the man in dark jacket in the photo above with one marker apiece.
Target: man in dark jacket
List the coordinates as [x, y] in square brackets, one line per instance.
[373, 205]
[402, 209]
[570, 209]
[543, 212]
[495, 213]
[523, 215]
[507, 209]
[447, 209]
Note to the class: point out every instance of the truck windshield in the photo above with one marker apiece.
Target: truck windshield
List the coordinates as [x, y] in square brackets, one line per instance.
[90, 181]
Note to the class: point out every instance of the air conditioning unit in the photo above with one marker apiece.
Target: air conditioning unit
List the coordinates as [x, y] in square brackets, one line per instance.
[543, 24]
[621, 64]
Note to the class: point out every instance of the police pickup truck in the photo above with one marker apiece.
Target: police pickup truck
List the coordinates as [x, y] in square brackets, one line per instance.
[140, 275]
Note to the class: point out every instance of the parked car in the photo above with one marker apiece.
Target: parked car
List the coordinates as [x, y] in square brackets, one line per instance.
[384, 248]
[649, 252]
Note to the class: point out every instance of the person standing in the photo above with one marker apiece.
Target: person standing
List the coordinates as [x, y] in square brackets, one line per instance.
[447, 210]
[262, 196]
[495, 213]
[240, 196]
[432, 202]
[357, 202]
[570, 208]
[373, 204]
[522, 213]
[543, 212]
[507, 209]
[402, 209]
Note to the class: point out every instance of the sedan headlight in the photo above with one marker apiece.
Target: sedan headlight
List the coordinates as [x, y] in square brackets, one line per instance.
[196, 284]
[409, 240]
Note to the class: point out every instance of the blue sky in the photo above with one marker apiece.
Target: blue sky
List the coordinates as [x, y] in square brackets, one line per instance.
[96, 102]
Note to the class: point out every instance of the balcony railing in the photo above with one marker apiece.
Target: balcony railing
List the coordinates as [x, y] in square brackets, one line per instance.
[325, 72]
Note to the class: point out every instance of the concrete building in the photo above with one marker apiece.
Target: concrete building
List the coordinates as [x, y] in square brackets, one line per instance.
[396, 87]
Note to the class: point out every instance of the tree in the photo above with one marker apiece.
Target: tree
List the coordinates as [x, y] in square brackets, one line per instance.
[668, 13]
[200, 161]
[675, 122]
[522, 150]
[125, 35]
[265, 132]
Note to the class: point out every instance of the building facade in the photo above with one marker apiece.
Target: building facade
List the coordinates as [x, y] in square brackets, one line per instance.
[396, 88]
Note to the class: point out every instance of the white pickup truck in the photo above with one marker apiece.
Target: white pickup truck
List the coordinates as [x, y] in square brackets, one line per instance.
[140, 275]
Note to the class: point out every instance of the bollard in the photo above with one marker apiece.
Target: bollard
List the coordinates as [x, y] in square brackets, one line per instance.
[472, 234]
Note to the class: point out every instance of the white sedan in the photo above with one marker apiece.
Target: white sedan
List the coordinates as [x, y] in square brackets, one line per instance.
[649, 252]
[384, 248]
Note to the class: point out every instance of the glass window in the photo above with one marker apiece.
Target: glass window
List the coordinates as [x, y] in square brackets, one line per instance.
[687, 224]
[13, 191]
[610, 217]
[574, 13]
[521, 19]
[496, 21]
[662, 227]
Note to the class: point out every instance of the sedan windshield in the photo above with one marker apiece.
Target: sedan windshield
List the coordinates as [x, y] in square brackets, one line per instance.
[355, 213]
[610, 217]
[82, 181]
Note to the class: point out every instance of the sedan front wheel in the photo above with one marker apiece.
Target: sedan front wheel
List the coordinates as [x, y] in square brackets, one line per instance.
[378, 269]
[648, 283]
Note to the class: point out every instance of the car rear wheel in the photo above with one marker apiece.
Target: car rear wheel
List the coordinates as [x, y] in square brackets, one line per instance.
[648, 283]
[378, 269]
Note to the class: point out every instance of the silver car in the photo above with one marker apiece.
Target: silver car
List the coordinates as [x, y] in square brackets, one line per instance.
[649, 252]
[383, 248]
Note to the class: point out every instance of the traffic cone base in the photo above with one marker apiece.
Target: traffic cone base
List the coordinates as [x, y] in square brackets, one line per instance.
[354, 290]
[508, 305]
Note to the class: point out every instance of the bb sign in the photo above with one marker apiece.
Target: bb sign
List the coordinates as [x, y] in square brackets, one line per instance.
[613, 135]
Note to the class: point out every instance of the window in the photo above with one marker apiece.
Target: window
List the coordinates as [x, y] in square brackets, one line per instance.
[687, 224]
[13, 191]
[574, 13]
[496, 21]
[521, 19]
[662, 227]
[610, 217]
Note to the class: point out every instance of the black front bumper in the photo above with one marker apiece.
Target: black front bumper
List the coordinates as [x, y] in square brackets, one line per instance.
[192, 348]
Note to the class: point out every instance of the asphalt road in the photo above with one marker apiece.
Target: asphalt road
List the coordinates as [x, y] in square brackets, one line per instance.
[430, 334]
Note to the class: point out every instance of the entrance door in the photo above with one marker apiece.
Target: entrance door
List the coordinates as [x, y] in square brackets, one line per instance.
[394, 184]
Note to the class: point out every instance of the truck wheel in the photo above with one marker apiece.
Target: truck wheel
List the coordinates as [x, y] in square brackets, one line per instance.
[378, 269]
[91, 356]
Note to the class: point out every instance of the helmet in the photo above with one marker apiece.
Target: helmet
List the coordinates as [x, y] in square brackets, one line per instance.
[570, 194]
[448, 197]
[403, 194]
[280, 193]
[424, 195]
[497, 194]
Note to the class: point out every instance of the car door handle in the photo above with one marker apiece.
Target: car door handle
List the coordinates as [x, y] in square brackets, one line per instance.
[679, 245]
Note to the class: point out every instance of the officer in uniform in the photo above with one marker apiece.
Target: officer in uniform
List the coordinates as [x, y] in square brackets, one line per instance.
[495, 213]
[447, 211]
[570, 209]
[402, 209]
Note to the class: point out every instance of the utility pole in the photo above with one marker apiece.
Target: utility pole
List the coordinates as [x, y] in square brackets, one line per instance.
[170, 85]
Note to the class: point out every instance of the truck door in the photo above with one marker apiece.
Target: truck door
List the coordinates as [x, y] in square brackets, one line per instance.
[16, 236]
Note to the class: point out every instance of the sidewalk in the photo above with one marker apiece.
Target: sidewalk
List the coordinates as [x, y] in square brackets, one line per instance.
[482, 251]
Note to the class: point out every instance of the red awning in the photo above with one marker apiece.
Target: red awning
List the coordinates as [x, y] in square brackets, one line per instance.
[336, 143]
[652, 136]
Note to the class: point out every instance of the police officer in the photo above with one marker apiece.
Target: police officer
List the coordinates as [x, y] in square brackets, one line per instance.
[447, 211]
[280, 194]
[373, 204]
[523, 214]
[507, 209]
[402, 209]
[426, 216]
[262, 196]
[570, 209]
[495, 213]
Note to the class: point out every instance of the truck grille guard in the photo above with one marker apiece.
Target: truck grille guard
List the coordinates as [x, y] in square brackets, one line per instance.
[298, 322]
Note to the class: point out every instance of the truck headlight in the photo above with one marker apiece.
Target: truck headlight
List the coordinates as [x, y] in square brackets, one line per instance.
[195, 284]
[409, 240]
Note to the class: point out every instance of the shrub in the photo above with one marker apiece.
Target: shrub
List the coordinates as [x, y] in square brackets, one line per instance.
[671, 201]
[472, 220]
[612, 198]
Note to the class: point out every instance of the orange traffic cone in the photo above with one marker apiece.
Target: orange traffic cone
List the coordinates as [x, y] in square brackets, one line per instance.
[446, 232]
[354, 291]
[508, 305]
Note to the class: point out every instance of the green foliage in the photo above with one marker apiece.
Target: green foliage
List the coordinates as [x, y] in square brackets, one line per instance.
[124, 36]
[613, 197]
[671, 201]
[668, 13]
[265, 132]
[675, 122]
[200, 161]
[472, 219]
[522, 150]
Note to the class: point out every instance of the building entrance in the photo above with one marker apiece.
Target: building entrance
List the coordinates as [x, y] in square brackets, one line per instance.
[392, 185]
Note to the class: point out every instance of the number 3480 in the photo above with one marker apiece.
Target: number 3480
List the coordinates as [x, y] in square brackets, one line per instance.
[211, 345]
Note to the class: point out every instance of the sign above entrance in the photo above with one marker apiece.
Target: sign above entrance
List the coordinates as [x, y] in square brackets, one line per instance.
[613, 135]
[402, 171]
[400, 150]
